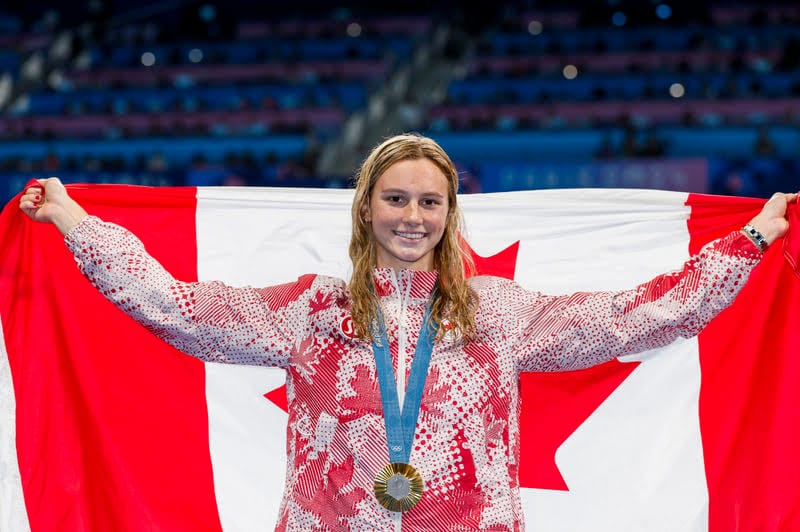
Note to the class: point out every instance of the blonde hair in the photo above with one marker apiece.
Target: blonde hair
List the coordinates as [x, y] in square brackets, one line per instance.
[456, 300]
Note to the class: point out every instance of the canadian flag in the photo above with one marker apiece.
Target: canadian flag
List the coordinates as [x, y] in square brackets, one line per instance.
[105, 428]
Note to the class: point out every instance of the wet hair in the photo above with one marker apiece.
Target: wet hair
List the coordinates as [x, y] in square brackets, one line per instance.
[456, 301]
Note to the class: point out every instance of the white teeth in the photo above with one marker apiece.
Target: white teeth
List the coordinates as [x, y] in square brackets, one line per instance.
[410, 235]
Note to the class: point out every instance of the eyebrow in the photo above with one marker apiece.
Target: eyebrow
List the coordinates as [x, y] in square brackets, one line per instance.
[402, 191]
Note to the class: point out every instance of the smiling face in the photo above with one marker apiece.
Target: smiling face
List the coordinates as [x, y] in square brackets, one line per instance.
[407, 210]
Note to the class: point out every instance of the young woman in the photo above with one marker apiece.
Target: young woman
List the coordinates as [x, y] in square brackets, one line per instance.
[403, 382]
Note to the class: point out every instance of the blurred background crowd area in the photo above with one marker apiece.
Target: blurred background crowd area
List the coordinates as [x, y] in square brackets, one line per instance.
[699, 96]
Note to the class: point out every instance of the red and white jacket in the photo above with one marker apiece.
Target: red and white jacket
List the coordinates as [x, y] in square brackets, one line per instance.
[466, 444]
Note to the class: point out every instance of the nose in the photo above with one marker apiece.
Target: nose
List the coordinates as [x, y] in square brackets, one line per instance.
[412, 214]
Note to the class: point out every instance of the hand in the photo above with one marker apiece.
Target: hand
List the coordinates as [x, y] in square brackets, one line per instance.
[49, 202]
[771, 221]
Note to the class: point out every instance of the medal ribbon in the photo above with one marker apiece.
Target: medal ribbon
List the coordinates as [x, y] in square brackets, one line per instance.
[400, 426]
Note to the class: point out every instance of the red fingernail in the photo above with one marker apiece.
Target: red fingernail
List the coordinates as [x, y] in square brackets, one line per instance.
[37, 197]
[35, 204]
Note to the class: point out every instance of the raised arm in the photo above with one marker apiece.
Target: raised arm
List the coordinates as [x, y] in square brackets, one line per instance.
[208, 320]
[553, 333]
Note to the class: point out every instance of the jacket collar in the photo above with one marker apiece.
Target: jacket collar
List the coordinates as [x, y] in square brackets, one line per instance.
[389, 280]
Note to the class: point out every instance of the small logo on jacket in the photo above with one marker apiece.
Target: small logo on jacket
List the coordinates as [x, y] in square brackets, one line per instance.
[347, 327]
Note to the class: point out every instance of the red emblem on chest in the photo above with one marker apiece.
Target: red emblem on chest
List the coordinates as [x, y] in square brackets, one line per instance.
[347, 327]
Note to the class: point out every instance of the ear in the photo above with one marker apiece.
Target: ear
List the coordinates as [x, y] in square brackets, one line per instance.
[365, 215]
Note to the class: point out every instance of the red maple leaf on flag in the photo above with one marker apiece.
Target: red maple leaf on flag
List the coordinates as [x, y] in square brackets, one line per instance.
[554, 405]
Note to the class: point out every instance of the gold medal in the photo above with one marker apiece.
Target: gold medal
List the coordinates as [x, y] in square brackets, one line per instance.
[398, 487]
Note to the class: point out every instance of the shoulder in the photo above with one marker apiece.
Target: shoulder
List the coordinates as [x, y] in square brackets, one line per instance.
[314, 283]
[324, 282]
[330, 289]
[493, 292]
[304, 289]
[498, 293]
[489, 283]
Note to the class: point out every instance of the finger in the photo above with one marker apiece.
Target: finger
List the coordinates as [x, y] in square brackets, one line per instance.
[28, 206]
[33, 197]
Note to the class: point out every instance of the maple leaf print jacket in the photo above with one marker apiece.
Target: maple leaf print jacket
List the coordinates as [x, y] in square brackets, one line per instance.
[466, 444]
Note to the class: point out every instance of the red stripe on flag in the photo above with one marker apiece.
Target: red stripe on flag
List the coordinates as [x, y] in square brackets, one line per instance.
[105, 411]
[749, 416]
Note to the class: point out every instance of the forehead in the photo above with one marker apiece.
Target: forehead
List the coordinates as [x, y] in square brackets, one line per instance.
[419, 175]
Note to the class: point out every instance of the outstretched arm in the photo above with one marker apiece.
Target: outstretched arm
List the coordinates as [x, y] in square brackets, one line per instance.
[208, 320]
[583, 329]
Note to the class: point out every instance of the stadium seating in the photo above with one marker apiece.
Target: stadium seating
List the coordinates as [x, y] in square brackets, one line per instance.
[267, 94]
[557, 85]
[237, 93]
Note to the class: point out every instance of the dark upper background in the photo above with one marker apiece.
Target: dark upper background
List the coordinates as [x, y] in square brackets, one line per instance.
[700, 96]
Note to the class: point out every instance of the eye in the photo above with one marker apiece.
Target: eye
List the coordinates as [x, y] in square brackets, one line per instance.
[394, 199]
[430, 202]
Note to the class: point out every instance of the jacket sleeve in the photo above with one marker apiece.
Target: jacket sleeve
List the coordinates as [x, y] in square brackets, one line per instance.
[555, 333]
[208, 320]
